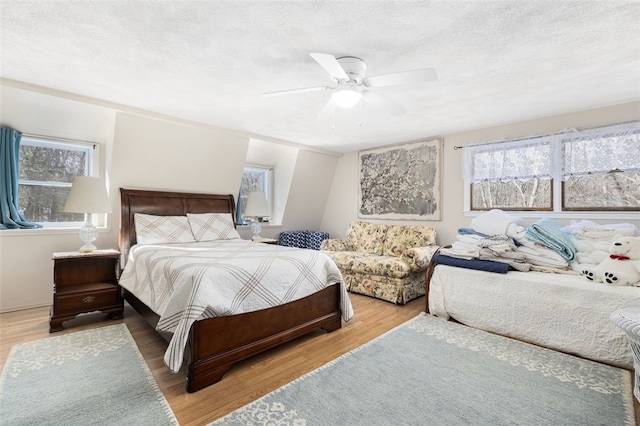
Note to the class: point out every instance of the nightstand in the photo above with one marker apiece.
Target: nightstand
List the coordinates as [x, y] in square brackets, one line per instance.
[265, 241]
[85, 282]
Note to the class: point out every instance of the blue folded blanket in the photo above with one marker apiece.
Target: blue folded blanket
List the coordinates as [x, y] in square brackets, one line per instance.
[470, 231]
[550, 234]
[480, 265]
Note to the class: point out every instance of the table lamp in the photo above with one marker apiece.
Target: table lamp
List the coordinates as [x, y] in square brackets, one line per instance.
[257, 208]
[88, 195]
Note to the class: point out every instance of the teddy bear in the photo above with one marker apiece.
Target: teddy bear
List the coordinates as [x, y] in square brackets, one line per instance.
[622, 267]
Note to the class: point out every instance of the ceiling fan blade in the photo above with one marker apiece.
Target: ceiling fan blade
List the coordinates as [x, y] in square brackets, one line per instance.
[331, 65]
[327, 110]
[294, 91]
[407, 77]
[383, 103]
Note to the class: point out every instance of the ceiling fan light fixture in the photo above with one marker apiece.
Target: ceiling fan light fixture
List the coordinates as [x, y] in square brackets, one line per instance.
[346, 97]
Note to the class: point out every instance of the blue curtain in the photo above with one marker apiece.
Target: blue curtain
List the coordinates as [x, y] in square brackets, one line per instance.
[9, 162]
[238, 215]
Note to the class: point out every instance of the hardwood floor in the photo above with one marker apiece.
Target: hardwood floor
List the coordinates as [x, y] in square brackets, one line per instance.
[246, 381]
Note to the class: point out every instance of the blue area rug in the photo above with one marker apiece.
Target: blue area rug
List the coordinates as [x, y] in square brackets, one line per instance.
[433, 372]
[93, 377]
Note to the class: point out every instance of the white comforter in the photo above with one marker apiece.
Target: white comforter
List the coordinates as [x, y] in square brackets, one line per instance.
[562, 312]
[186, 282]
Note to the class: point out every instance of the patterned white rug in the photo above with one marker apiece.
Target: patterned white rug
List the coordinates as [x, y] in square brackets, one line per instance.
[430, 371]
[92, 377]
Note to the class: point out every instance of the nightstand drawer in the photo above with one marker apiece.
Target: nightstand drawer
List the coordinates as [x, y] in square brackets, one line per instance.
[87, 300]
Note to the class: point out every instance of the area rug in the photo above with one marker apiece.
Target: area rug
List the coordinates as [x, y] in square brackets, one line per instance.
[430, 371]
[92, 377]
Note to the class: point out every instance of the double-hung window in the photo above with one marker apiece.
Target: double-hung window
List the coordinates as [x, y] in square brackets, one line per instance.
[589, 170]
[254, 179]
[47, 169]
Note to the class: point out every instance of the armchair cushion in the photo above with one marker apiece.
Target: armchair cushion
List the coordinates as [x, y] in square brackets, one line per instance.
[367, 237]
[364, 263]
[418, 257]
[336, 244]
[399, 238]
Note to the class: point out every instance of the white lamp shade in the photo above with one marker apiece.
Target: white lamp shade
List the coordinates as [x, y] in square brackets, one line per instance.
[257, 205]
[88, 195]
[346, 98]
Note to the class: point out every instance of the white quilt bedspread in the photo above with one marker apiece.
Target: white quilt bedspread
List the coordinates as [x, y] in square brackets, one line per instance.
[561, 312]
[187, 282]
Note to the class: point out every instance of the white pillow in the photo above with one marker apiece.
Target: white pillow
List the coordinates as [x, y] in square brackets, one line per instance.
[152, 229]
[213, 226]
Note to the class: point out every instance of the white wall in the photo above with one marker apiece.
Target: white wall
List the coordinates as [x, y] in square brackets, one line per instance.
[283, 159]
[26, 268]
[146, 152]
[309, 190]
[342, 204]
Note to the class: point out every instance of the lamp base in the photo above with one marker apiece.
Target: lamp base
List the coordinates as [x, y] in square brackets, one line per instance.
[256, 227]
[87, 248]
[88, 234]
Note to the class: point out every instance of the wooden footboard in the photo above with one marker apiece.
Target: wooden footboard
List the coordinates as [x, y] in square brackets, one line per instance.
[215, 344]
[427, 283]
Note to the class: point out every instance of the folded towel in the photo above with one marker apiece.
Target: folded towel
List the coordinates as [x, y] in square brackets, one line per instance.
[495, 222]
[550, 234]
[542, 256]
[462, 250]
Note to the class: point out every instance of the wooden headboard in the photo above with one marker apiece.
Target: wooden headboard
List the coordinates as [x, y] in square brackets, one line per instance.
[163, 203]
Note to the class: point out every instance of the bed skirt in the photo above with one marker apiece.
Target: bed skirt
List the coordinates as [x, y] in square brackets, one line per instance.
[567, 313]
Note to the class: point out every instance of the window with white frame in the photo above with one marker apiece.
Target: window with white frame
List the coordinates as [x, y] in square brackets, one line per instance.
[589, 170]
[254, 179]
[47, 169]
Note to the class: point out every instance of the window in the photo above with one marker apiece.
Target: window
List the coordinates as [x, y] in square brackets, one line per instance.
[47, 170]
[589, 170]
[254, 179]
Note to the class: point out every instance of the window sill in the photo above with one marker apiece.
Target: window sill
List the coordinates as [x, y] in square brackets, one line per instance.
[264, 226]
[48, 231]
[628, 216]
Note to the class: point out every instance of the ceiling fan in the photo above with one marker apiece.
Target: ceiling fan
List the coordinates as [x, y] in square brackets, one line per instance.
[350, 85]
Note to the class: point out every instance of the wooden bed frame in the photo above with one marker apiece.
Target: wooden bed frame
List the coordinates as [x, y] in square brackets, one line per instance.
[215, 344]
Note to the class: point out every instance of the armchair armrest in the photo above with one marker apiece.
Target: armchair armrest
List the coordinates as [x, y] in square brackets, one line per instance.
[418, 257]
[336, 244]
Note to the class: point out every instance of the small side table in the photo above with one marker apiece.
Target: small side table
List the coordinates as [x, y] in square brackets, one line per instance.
[628, 319]
[85, 282]
[265, 241]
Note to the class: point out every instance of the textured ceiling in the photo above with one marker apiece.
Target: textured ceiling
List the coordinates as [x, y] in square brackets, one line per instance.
[209, 61]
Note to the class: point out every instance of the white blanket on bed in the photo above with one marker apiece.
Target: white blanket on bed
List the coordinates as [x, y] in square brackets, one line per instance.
[561, 312]
[187, 282]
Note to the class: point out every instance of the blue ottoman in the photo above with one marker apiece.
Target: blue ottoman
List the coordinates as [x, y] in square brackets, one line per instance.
[303, 239]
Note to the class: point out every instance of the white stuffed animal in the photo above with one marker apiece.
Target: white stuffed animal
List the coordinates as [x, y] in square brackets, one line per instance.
[622, 267]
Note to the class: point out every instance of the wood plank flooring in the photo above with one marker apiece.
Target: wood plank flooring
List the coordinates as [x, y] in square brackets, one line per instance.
[245, 382]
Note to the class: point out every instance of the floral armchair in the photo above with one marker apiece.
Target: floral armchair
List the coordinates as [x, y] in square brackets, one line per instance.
[388, 262]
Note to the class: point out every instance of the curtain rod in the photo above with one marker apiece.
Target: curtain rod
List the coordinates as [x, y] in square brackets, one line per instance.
[456, 147]
[56, 139]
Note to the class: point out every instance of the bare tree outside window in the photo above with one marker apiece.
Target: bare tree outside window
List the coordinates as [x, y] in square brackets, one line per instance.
[613, 191]
[532, 194]
[254, 179]
[592, 170]
[47, 169]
